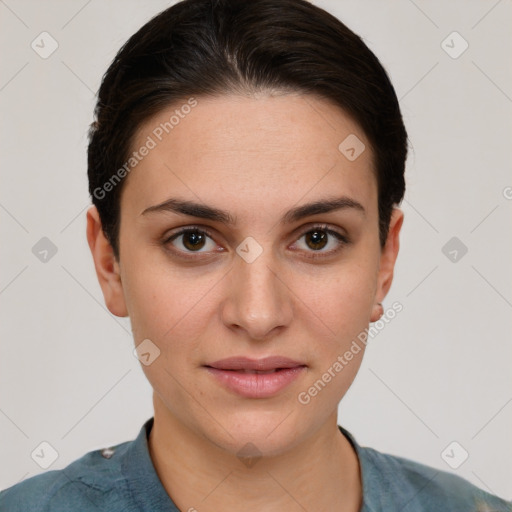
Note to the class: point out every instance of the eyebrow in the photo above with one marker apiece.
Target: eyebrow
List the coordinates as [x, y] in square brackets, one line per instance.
[193, 209]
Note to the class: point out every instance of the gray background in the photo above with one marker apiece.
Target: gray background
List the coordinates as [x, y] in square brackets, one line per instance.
[438, 373]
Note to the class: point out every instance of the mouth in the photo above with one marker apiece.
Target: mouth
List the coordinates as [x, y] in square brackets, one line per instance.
[256, 378]
[246, 364]
[256, 372]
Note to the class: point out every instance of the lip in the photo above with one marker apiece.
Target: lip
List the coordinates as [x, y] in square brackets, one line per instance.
[256, 378]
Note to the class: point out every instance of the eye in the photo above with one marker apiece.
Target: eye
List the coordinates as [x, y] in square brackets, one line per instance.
[318, 241]
[191, 240]
[322, 240]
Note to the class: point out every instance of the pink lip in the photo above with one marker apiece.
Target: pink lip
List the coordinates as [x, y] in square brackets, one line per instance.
[245, 376]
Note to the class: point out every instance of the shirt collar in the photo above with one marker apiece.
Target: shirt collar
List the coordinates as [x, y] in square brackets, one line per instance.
[370, 481]
[143, 481]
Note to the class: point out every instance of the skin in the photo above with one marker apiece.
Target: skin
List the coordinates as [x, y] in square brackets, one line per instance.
[256, 157]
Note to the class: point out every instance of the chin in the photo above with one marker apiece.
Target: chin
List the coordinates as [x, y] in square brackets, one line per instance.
[257, 433]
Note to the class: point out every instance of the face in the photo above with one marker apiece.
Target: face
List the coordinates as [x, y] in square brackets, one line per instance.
[250, 258]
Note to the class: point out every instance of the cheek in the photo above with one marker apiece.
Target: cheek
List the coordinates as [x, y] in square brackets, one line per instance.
[339, 302]
[161, 305]
[173, 310]
[170, 306]
[335, 313]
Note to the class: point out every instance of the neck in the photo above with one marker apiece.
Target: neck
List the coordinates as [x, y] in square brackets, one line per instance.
[321, 474]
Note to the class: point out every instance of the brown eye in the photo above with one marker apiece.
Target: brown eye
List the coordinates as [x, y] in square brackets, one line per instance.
[193, 240]
[190, 240]
[316, 239]
[321, 241]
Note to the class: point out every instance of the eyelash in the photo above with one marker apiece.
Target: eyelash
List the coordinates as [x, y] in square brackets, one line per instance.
[342, 239]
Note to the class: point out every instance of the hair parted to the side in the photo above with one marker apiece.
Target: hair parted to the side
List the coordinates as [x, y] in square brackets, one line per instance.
[213, 47]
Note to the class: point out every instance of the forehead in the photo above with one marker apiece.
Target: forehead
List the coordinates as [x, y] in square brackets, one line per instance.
[268, 149]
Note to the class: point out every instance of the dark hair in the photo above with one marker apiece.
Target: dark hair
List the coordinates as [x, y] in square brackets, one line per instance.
[213, 47]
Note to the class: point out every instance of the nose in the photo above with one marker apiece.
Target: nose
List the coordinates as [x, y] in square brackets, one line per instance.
[258, 300]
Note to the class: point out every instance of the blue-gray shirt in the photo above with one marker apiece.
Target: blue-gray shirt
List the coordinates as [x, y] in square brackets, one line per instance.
[123, 479]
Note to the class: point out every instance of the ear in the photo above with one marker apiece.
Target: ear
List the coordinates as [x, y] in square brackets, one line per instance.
[388, 257]
[106, 264]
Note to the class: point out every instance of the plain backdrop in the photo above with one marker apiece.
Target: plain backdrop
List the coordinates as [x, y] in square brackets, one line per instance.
[438, 373]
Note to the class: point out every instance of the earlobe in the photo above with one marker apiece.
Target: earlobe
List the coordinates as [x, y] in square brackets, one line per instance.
[106, 265]
[388, 257]
[377, 312]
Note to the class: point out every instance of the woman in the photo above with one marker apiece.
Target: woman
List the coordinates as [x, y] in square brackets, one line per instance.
[245, 165]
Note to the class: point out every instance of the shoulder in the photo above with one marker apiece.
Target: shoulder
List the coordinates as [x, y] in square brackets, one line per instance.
[94, 481]
[413, 486]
